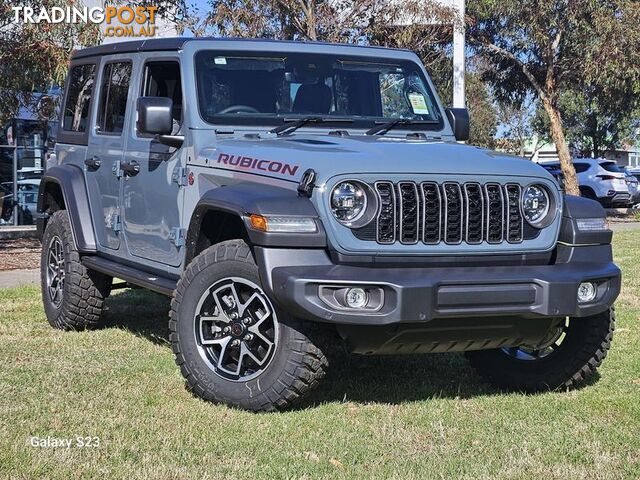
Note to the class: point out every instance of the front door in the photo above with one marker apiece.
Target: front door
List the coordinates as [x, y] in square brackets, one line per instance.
[152, 198]
[106, 150]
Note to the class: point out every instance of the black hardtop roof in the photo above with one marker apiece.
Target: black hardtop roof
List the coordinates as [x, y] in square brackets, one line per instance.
[176, 43]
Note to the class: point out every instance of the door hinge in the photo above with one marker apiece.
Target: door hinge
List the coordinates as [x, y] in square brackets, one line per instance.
[179, 176]
[117, 169]
[177, 236]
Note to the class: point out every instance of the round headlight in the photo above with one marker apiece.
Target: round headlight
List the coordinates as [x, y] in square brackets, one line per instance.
[348, 202]
[535, 204]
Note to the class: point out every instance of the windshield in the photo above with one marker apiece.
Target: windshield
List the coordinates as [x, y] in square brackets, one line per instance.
[266, 89]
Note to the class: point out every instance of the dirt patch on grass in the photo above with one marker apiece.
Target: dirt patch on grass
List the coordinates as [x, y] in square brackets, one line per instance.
[19, 253]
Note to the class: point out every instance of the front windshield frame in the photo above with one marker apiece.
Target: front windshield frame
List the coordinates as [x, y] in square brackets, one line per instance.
[334, 121]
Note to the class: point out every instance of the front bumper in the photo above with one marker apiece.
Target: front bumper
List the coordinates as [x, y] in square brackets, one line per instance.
[293, 278]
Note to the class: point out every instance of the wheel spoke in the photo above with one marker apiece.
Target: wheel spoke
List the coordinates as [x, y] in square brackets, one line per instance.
[223, 351]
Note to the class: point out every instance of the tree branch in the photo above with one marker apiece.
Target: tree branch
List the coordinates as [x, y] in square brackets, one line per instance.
[527, 73]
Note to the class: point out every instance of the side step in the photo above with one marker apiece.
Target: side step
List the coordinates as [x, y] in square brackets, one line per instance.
[143, 279]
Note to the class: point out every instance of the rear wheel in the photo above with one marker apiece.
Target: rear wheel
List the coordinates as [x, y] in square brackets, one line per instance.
[570, 354]
[73, 295]
[232, 344]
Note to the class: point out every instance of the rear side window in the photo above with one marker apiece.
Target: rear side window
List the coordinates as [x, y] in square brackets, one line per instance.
[76, 109]
[113, 97]
[611, 167]
[581, 167]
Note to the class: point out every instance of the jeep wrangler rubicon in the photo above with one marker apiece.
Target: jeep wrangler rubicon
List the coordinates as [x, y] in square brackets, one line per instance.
[279, 189]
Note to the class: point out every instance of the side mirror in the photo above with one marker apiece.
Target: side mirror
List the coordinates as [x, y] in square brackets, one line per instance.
[155, 115]
[459, 120]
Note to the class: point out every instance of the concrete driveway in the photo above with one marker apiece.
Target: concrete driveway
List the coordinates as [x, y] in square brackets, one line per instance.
[16, 278]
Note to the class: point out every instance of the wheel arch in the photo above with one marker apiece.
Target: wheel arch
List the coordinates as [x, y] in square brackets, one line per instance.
[63, 188]
[223, 212]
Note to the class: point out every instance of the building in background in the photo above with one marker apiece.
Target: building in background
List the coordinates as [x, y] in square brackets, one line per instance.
[628, 156]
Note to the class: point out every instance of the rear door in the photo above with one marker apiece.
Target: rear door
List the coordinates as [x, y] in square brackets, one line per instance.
[152, 199]
[103, 163]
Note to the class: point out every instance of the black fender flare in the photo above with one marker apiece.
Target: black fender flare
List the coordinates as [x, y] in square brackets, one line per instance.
[70, 179]
[580, 208]
[244, 199]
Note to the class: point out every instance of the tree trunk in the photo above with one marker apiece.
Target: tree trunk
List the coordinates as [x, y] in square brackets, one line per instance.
[557, 134]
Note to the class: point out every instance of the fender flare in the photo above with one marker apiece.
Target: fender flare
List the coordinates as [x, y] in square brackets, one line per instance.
[70, 179]
[244, 199]
[579, 208]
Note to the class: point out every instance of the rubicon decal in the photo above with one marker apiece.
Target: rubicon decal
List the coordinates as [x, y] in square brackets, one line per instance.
[258, 164]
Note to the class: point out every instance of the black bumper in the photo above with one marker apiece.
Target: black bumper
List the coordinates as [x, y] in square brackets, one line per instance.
[293, 279]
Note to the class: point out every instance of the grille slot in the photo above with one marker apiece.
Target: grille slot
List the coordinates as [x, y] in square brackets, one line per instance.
[495, 213]
[409, 212]
[453, 224]
[386, 220]
[515, 223]
[474, 204]
[449, 212]
[431, 212]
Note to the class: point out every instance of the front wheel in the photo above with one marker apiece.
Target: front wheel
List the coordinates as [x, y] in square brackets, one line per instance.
[570, 354]
[231, 343]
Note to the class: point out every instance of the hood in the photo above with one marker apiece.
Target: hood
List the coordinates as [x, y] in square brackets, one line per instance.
[289, 156]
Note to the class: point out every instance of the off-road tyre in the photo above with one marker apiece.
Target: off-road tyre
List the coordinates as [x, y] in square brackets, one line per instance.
[83, 291]
[297, 366]
[576, 359]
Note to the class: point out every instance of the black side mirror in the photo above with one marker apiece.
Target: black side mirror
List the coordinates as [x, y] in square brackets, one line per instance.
[459, 120]
[155, 115]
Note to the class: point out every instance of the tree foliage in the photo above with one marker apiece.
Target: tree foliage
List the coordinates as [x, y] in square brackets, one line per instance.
[551, 47]
[35, 56]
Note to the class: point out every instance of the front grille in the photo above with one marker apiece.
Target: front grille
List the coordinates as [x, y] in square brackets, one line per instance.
[448, 212]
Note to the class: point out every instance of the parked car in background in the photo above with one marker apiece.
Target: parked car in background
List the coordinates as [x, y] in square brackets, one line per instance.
[556, 171]
[27, 201]
[634, 189]
[601, 180]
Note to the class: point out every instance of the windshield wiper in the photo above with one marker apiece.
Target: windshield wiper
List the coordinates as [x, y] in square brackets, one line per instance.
[383, 127]
[292, 124]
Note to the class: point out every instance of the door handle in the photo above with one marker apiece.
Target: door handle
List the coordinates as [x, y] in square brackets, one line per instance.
[93, 163]
[131, 168]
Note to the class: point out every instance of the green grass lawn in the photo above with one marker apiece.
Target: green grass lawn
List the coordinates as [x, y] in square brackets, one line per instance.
[386, 417]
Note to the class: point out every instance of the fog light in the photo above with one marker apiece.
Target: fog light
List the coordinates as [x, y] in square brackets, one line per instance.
[586, 292]
[356, 298]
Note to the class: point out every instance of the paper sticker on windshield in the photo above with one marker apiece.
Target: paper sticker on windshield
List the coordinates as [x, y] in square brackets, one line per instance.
[220, 61]
[418, 104]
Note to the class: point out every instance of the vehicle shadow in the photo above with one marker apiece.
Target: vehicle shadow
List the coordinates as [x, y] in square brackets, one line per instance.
[393, 379]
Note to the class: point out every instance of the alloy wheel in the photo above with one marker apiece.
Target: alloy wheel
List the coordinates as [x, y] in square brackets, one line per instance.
[55, 270]
[236, 329]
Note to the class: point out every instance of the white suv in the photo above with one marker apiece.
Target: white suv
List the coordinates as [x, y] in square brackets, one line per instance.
[601, 180]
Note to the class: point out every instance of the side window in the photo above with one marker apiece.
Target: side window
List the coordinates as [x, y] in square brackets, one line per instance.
[581, 167]
[113, 97]
[162, 79]
[76, 109]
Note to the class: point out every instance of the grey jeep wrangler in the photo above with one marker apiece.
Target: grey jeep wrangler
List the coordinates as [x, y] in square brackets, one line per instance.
[292, 196]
